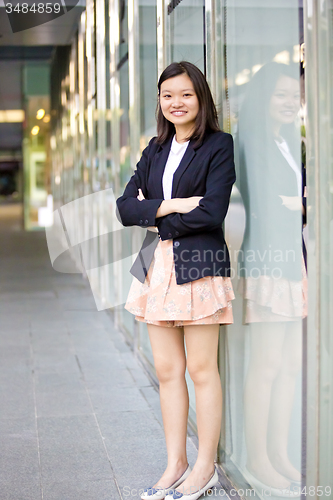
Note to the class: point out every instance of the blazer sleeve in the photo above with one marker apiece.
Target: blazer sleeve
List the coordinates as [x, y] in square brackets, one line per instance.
[131, 211]
[214, 205]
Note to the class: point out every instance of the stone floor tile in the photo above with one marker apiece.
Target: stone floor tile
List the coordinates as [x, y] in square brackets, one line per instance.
[127, 425]
[21, 488]
[79, 418]
[83, 490]
[118, 399]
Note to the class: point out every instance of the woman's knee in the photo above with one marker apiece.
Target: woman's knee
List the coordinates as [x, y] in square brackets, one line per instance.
[168, 351]
[267, 368]
[168, 370]
[201, 372]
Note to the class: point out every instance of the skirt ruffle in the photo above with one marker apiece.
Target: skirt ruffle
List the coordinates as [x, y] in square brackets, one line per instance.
[160, 301]
[268, 299]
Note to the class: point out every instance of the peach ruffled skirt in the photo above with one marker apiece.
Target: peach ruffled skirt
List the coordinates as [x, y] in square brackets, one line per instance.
[160, 301]
[267, 299]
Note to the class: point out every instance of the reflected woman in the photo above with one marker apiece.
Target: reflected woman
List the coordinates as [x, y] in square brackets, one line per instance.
[272, 268]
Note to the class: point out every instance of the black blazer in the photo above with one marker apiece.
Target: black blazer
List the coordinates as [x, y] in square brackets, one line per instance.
[198, 241]
[272, 243]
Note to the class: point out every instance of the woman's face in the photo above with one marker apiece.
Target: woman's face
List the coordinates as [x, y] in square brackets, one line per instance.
[179, 103]
[285, 101]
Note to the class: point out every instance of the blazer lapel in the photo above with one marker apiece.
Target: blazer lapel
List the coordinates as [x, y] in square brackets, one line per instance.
[158, 165]
[186, 160]
[157, 168]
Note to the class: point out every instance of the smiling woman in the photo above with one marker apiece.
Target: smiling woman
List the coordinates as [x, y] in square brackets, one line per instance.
[284, 103]
[179, 105]
[185, 104]
[182, 186]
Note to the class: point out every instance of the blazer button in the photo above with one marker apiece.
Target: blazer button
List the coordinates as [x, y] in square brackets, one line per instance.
[146, 221]
[176, 244]
[169, 235]
[140, 221]
[176, 233]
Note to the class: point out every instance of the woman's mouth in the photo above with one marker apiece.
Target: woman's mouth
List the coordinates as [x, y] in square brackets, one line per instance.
[178, 113]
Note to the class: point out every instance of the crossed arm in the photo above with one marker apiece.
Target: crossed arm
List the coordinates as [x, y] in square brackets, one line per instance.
[180, 216]
[175, 205]
[133, 208]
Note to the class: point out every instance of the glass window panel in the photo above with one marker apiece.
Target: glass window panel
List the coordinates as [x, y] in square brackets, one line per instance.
[124, 130]
[148, 69]
[126, 170]
[108, 92]
[319, 58]
[261, 94]
[148, 100]
[186, 33]
[325, 79]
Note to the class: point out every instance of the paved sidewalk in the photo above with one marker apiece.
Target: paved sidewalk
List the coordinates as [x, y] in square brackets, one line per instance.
[79, 419]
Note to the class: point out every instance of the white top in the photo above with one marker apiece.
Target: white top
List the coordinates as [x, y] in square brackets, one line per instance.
[176, 154]
[284, 148]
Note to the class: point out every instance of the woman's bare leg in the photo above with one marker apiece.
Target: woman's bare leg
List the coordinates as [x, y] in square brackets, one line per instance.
[170, 363]
[282, 400]
[265, 362]
[202, 344]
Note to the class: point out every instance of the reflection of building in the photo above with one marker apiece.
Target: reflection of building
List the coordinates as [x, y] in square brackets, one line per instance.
[103, 100]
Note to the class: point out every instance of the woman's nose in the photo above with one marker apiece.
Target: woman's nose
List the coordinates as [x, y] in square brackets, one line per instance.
[177, 102]
[290, 102]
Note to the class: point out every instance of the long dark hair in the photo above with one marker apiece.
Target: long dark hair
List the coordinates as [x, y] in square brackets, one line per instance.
[263, 175]
[254, 120]
[206, 120]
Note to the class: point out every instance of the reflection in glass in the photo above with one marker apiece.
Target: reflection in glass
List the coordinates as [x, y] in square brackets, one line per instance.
[271, 267]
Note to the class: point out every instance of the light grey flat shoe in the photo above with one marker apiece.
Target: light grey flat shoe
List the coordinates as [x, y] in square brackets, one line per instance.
[175, 495]
[159, 493]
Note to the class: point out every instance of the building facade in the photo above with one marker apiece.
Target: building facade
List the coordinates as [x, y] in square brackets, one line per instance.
[269, 65]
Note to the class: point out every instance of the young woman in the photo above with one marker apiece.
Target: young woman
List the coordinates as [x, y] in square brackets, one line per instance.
[182, 288]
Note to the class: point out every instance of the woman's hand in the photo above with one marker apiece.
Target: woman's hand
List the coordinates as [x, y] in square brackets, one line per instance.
[175, 205]
[185, 205]
[178, 205]
[141, 197]
[292, 202]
